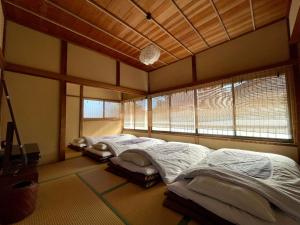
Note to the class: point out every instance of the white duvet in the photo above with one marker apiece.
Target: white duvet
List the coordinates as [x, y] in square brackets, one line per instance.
[141, 143]
[275, 177]
[226, 211]
[91, 140]
[172, 158]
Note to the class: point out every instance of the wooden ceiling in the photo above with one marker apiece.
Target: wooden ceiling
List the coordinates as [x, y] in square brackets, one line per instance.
[118, 28]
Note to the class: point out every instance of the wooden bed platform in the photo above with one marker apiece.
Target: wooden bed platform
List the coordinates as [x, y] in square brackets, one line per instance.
[137, 178]
[193, 210]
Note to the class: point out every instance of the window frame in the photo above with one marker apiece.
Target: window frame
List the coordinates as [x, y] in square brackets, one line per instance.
[123, 111]
[290, 104]
[103, 108]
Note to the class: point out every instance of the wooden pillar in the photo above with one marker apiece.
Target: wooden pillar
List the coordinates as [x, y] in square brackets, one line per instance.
[62, 100]
[294, 55]
[118, 77]
[194, 68]
[81, 111]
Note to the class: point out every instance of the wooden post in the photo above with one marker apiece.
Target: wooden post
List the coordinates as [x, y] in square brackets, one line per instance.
[118, 77]
[81, 111]
[62, 100]
[296, 70]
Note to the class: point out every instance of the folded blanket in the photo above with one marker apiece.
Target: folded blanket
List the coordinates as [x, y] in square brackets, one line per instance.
[91, 140]
[281, 186]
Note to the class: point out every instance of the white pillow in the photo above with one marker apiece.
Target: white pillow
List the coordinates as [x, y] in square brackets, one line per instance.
[78, 140]
[237, 196]
[100, 146]
[135, 158]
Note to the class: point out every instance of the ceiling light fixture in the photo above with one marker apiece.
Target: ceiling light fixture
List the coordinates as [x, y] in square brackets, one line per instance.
[151, 53]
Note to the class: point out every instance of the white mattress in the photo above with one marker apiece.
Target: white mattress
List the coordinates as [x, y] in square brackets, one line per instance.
[98, 152]
[225, 211]
[146, 170]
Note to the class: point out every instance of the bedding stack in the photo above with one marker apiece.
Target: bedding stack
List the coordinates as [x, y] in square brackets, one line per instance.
[99, 148]
[77, 144]
[239, 187]
[166, 160]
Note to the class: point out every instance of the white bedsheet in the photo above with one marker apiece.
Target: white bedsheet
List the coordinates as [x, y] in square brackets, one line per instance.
[146, 170]
[225, 211]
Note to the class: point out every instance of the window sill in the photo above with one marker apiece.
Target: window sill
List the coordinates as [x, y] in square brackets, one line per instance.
[230, 138]
[101, 119]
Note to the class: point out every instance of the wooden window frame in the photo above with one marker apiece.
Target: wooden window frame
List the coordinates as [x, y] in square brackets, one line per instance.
[103, 115]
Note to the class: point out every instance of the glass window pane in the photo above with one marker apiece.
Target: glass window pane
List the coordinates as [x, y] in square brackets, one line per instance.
[141, 114]
[215, 109]
[129, 115]
[112, 109]
[262, 108]
[183, 112]
[92, 109]
[161, 113]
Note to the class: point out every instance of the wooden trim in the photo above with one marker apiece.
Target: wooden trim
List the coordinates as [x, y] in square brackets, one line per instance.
[69, 78]
[101, 99]
[2, 60]
[118, 75]
[75, 96]
[137, 6]
[149, 115]
[296, 70]
[81, 112]
[190, 24]
[252, 15]
[62, 101]
[233, 109]
[148, 82]
[101, 119]
[233, 38]
[194, 68]
[226, 76]
[102, 9]
[295, 36]
[219, 18]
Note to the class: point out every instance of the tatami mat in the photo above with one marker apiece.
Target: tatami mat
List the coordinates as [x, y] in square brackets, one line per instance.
[101, 180]
[69, 201]
[70, 153]
[80, 191]
[141, 206]
[71, 166]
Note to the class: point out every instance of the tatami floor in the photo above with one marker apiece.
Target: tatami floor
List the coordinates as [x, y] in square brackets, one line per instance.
[79, 191]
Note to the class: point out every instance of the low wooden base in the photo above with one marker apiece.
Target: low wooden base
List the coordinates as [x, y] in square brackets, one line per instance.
[193, 210]
[137, 178]
[96, 157]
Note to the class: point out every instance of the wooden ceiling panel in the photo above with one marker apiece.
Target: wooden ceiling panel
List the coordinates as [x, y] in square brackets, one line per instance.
[119, 28]
[236, 15]
[266, 11]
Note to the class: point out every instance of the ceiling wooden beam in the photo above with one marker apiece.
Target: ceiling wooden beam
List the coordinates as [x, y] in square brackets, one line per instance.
[71, 30]
[69, 78]
[94, 26]
[190, 24]
[252, 14]
[137, 6]
[102, 9]
[220, 19]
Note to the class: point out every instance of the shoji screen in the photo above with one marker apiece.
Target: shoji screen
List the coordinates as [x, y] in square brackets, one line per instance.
[129, 115]
[262, 107]
[161, 113]
[215, 109]
[92, 109]
[141, 112]
[183, 112]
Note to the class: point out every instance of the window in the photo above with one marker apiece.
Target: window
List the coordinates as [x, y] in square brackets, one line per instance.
[183, 112]
[252, 105]
[112, 109]
[262, 107]
[140, 114]
[92, 109]
[161, 113]
[215, 109]
[129, 115]
[100, 109]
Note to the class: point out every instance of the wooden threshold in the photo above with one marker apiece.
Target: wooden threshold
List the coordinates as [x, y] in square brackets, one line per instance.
[69, 78]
